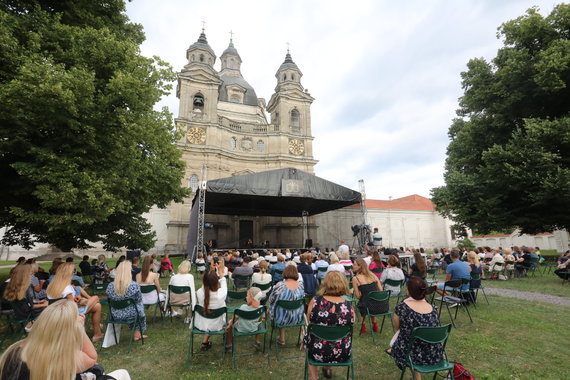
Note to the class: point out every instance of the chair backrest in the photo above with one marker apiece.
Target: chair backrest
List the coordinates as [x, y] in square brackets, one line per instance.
[379, 296]
[475, 276]
[179, 289]
[431, 335]
[329, 333]
[121, 304]
[377, 270]
[452, 284]
[239, 277]
[348, 268]
[52, 300]
[252, 315]
[290, 305]
[214, 313]
[236, 295]
[100, 287]
[394, 282]
[262, 286]
[498, 264]
[277, 271]
[148, 288]
[322, 269]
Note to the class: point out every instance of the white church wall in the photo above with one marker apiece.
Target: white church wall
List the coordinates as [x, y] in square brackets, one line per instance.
[557, 240]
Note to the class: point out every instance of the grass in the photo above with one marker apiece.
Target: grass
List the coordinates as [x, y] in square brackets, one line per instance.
[509, 339]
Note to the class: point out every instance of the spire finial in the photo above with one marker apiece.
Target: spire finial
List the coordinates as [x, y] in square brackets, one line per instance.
[288, 45]
[231, 36]
[203, 26]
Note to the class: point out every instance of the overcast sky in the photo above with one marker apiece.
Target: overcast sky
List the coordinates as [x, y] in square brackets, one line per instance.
[385, 75]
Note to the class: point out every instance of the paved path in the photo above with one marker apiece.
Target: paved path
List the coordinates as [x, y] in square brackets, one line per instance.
[529, 296]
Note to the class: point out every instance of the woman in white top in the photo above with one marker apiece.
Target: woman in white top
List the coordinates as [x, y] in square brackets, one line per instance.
[183, 278]
[212, 295]
[262, 277]
[334, 265]
[60, 287]
[146, 277]
[392, 273]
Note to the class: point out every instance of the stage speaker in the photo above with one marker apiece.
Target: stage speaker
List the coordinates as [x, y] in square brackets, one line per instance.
[309, 243]
[131, 253]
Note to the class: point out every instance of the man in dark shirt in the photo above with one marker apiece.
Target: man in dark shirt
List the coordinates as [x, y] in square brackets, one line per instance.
[135, 269]
[85, 266]
[243, 270]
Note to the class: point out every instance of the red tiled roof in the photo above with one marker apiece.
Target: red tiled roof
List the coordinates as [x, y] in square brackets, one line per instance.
[411, 202]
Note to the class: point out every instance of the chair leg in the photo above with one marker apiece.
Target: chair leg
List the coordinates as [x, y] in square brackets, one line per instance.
[484, 294]
[468, 313]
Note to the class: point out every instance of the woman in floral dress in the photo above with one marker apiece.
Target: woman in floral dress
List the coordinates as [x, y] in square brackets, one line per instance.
[122, 288]
[413, 312]
[329, 308]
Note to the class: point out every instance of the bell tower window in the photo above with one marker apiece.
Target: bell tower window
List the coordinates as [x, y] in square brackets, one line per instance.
[198, 103]
[295, 120]
[201, 57]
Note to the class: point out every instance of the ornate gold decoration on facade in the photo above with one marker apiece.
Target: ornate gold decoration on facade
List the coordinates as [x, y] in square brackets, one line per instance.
[196, 135]
[296, 147]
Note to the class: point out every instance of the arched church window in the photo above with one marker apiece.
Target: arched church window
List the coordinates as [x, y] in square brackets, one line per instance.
[201, 57]
[295, 118]
[235, 99]
[284, 76]
[232, 63]
[292, 76]
[198, 103]
[276, 120]
[193, 182]
[260, 146]
[233, 143]
[193, 58]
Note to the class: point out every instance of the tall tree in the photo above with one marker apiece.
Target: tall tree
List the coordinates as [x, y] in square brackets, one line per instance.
[82, 152]
[508, 162]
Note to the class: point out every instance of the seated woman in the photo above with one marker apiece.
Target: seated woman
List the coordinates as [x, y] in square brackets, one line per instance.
[114, 270]
[335, 264]
[262, 277]
[329, 308]
[201, 263]
[182, 278]
[497, 259]
[146, 277]
[376, 262]
[289, 289]
[20, 293]
[60, 287]
[392, 273]
[363, 283]
[122, 288]
[414, 311]
[419, 268]
[212, 295]
[57, 348]
[101, 270]
[253, 298]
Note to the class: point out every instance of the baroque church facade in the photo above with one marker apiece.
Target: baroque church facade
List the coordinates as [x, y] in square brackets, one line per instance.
[232, 131]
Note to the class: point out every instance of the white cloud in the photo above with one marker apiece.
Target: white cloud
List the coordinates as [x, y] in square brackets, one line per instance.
[385, 74]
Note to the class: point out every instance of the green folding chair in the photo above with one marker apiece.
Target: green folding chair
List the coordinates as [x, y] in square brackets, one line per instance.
[430, 276]
[213, 314]
[136, 320]
[323, 271]
[287, 305]
[475, 277]
[509, 272]
[234, 295]
[242, 280]
[452, 286]
[263, 287]
[348, 268]
[431, 335]
[395, 283]
[54, 300]
[254, 315]
[380, 296]
[173, 289]
[145, 289]
[330, 334]
[377, 270]
[280, 273]
[21, 322]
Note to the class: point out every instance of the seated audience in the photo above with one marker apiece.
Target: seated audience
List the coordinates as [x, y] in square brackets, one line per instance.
[475, 268]
[200, 263]
[457, 270]
[497, 259]
[101, 270]
[19, 293]
[335, 265]
[413, 312]
[183, 278]
[562, 270]
[376, 262]
[392, 272]
[278, 266]
[262, 277]
[37, 282]
[243, 270]
[57, 348]
[61, 287]
[211, 296]
[135, 269]
[419, 268]
[166, 264]
[122, 288]
[85, 266]
[363, 283]
[306, 271]
[114, 270]
[253, 298]
[329, 308]
[146, 277]
[289, 289]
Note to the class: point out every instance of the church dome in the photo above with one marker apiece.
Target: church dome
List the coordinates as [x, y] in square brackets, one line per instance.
[288, 63]
[202, 43]
[231, 50]
[250, 97]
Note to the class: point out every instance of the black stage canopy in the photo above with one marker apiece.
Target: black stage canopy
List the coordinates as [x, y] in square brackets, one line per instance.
[281, 192]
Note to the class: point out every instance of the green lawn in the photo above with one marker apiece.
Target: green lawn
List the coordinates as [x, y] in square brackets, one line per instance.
[509, 339]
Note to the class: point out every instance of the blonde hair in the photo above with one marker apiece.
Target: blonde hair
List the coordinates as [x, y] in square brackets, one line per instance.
[473, 257]
[19, 283]
[334, 284]
[52, 349]
[61, 280]
[344, 255]
[263, 265]
[364, 270]
[255, 293]
[184, 267]
[333, 258]
[123, 277]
